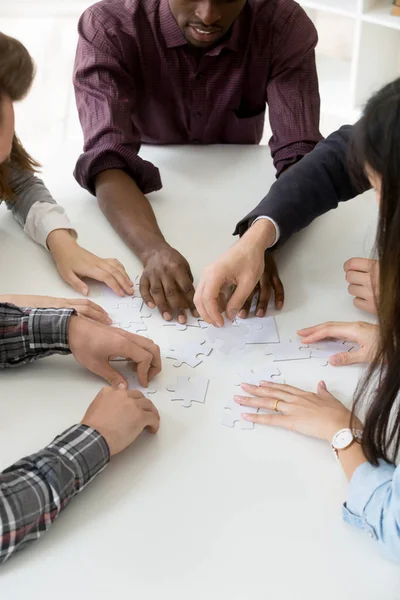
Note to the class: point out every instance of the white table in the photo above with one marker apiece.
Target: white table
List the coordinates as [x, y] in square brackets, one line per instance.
[200, 510]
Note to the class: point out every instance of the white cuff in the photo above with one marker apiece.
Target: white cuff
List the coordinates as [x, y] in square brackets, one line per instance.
[275, 224]
[43, 218]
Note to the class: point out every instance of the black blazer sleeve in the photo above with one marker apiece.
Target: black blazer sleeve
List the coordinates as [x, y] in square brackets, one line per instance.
[312, 187]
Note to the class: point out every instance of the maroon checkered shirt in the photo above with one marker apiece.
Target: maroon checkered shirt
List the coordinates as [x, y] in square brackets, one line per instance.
[138, 81]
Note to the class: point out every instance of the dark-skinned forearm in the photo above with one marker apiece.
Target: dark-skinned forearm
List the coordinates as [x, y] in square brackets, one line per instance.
[129, 212]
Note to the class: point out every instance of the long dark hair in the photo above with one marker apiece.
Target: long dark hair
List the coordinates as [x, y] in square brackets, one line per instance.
[377, 146]
[17, 72]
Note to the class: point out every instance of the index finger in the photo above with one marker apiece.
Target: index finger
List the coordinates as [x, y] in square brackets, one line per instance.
[341, 331]
[357, 264]
[239, 297]
[150, 347]
[140, 356]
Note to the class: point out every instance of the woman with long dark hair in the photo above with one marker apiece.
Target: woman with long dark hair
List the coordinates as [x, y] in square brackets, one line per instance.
[368, 451]
[32, 204]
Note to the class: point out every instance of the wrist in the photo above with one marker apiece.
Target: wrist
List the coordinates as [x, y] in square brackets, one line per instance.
[154, 247]
[262, 234]
[59, 238]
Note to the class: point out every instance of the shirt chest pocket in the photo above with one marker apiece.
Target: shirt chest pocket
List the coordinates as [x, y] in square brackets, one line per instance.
[245, 126]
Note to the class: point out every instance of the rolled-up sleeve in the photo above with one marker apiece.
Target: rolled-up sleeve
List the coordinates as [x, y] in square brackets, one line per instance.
[105, 96]
[373, 505]
[292, 91]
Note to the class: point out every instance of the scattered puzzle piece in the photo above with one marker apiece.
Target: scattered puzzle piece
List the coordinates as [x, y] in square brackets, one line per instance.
[189, 389]
[261, 330]
[325, 349]
[288, 351]
[129, 311]
[191, 321]
[253, 377]
[125, 368]
[231, 336]
[137, 328]
[187, 352]
[232, 414]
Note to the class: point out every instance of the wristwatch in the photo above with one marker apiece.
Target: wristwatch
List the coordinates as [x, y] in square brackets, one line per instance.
[345, 438]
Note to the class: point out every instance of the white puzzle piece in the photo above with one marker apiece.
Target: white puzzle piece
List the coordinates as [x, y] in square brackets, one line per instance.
[231, 336]
[325, 349]
[253, 377]
[125, 368]
[288, 351]
[189, 389]
[232, 414]
[137, 328]
[261, 330]
[191, 321]
[187, 352]
[129, 311]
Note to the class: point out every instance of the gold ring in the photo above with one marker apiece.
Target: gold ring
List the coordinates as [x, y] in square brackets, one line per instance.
[276, 405]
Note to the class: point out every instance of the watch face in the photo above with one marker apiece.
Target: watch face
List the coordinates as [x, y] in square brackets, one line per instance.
[342, 439]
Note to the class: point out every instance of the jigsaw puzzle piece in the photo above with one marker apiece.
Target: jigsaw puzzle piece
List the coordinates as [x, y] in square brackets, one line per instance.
[188, 352]
[231, 336]
[125, 368]
[137, 329]
[265, 333]
[189, 389]
[288, 351]
[327, 349]
[253, 377]
[232, 414]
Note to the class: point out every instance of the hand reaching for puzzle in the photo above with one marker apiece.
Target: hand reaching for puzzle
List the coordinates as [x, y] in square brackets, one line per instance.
[167, 283]
[83, 307]
[269, 282]
[318, 415]
[365, 335]
[74, 262]
[362, 275]
[93, 346]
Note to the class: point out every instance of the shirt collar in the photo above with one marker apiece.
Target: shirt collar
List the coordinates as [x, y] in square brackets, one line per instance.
[174, 37]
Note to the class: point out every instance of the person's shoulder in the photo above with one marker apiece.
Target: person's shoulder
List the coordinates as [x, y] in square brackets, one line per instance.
[118, 14]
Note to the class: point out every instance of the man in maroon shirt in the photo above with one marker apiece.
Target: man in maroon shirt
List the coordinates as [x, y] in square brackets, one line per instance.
[186, 72]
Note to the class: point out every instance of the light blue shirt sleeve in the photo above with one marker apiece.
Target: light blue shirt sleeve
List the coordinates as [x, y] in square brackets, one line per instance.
[373, 505]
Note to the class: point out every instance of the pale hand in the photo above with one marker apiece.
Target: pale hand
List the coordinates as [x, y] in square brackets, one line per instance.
[93, 345]
[269, 282]
[362, 275]
[241, 266]
[84, 307]
[365, 335]
[74, 263]
[120, 416]
[318, 415]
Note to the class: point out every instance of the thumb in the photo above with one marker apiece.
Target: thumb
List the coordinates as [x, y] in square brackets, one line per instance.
[77, 284]
[322, 390]
[112, 376]
[347, 358]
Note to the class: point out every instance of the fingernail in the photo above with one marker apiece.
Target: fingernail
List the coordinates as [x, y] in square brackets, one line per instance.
[109, 321]
[181, 319]
[279, 305]
[121, 386]
[323, 384]
[242, 314]
[167, 316]
[151, 305]
[196, 314]
[266, 383]
[260, 312]
[246, 416]
[237, 398]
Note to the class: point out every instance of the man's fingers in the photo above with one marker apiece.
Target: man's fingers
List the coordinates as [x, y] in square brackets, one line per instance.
[77, 284]
[93, 314]
[359, 291]
[244, 311]
[279, 292]
[263, 297]
[211, 303]
[121, 278]
[144, 288]
[127, 281]
[349, 358]
[111, 375]
[151, 421]
[239, 296]
[185, 283]
[358, 264]
[157, 293]
[148, 346]
[102, 275]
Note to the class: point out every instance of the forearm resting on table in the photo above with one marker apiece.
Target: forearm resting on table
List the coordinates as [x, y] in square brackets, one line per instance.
[128, 211]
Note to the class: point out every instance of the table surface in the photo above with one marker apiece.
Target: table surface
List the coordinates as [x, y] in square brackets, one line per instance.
[200, 510]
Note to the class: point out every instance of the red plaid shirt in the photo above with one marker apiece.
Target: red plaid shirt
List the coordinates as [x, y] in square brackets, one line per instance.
[137, 81]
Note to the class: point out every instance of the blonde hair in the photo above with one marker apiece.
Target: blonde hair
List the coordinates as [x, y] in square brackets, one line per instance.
[17, 72]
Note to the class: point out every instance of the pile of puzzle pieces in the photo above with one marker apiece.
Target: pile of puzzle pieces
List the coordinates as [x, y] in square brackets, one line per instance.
[132, 315]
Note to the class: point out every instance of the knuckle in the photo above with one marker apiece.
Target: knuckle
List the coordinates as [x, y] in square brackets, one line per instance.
[171, 292]
[156, 289]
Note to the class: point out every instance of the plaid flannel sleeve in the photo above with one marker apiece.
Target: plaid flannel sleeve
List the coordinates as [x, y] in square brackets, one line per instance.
[37, 488]
[27, 334]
